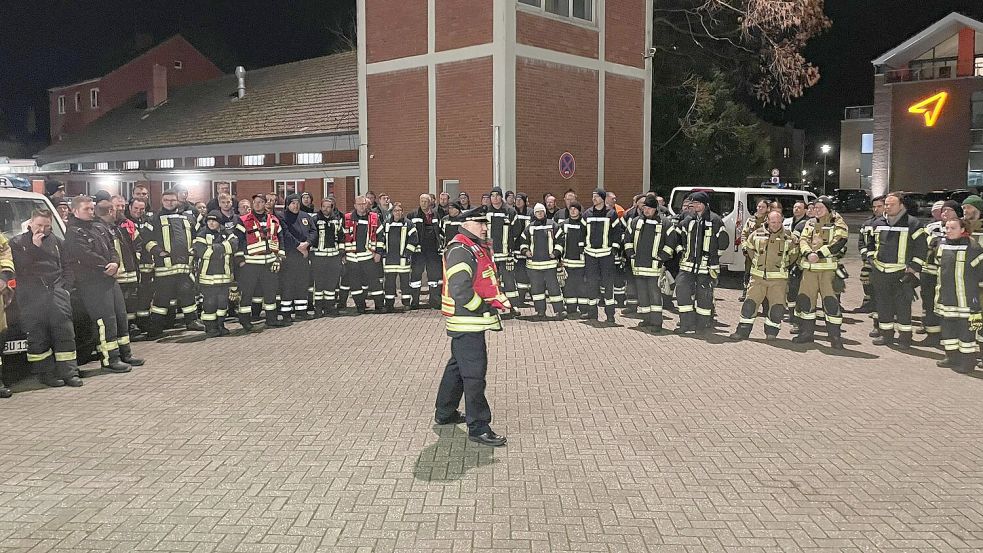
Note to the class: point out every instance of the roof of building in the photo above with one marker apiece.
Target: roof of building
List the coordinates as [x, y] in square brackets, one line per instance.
[137, 56]
[312, 97]
[927, 39]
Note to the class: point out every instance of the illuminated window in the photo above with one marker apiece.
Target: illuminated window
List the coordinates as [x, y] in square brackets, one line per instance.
[78, 101]
[102, 166]
[61, 105]
[165, 163]
[253, 160]
[130, 165]
[205, 162]
[577, 9]
[867, 144]
[94, 98]
[309, 158]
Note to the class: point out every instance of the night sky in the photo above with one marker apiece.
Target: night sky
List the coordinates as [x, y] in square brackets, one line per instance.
[45, 43]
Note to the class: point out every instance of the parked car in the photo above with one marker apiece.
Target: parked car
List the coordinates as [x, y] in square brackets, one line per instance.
[736, 205]
[851, 200]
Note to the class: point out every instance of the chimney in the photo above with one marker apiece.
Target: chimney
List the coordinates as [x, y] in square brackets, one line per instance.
[157, 94]
[241, 76]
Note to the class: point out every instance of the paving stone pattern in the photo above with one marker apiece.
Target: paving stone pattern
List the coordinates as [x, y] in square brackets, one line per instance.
[320, 438]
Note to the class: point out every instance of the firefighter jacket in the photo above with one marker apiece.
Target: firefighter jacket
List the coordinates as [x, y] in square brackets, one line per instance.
[39, 270]
[603, 231]
[700, 239]
[144, 227]
[826, 237]
[772, 254]
[128, 244]
[522, 220]
[173, 232]
[471, 297]
[934, 234]
[866, 237]
[500, 231]
[259, 238]
[397, 242]
[328, 235]
[571, 241]
[647, 242]
[960, 271]
[297, 229]
[751, 225]
[89, 247]
[792, 223]
[228, 222]
[427, 229]
[897, 245]
[361, 235]
[538, 243]
[449, 227]
[214, 251]
[6, 274]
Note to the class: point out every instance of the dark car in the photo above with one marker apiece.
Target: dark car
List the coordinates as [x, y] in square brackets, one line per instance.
[847, 201]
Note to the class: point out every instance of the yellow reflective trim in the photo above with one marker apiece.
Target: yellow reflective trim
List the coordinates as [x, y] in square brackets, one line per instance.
[64, 356]
[474, 303]
[37, 357]
[457, 269]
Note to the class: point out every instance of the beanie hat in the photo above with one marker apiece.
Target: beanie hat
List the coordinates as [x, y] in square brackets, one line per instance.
[974, 201]
[600, 192]
[214, 215]
[291, 198]
[102, 196]
[701, 197]
[953, 205]
[826, 201]
[496, 190]
[652, 201]
[52, 186]
[576, 205]
[937, 206]
[538, 208]
[457, 206]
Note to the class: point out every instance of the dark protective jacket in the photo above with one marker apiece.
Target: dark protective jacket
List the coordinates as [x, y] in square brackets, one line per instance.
[538, 242]
[328, 235]
[500, 231]
[571, 241]
[173, 232]
[214, 251]
[895, 247]
[699, 239]
[604, 232]
[396, 243]
[647, 243]
[427, 232]
[89, 246]
[960, 272]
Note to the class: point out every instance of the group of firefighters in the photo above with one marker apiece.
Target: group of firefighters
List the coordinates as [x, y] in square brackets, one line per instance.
[136, 269]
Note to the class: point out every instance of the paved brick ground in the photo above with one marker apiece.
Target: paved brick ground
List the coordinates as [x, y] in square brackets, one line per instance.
[320, 438]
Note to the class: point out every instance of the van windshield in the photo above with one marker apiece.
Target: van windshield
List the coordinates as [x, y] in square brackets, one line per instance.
[15, 214]
[721, 203]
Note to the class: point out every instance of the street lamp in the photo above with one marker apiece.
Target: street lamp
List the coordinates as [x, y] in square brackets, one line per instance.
[826, 149]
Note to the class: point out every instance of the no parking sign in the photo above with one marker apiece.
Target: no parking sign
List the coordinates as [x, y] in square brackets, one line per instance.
[568, 165]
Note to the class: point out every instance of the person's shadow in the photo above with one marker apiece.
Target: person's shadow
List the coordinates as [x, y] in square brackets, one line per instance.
[451, 456]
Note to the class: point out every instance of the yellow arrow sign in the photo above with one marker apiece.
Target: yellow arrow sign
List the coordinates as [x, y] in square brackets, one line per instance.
[930, 107]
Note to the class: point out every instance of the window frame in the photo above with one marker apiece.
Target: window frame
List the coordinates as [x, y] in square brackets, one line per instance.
[298, 185]
[131, 165]
[167, 163]
[232, 187]
[309, 158]
[164, 185]
[78, 102]
[246, 160]
[198, 162]
[540, 8]
[61, 104]
[102, 166]
[94, 98]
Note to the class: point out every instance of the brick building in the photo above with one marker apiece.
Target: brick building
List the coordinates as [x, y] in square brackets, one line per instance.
[925, 129]
[463, 94]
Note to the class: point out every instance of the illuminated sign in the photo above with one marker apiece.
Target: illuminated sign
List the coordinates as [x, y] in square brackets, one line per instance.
[930, 107]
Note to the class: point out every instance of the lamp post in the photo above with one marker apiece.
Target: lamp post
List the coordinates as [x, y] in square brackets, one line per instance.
[826, 149]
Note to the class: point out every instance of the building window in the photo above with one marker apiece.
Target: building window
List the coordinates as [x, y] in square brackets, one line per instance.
[328, 187]
[309, 158]
[168, 185]
[131, 165]
[61, 105]
[102, 166]
[126, 188]
[78, 101]
[205, 162]
[178, 64]
[283, 188]
[219, 186]
[867, 143]
[786, 152]
[977, 110]
[94, 98]
[253, 160]
[165, 163]
[577, 9]
[558, 7]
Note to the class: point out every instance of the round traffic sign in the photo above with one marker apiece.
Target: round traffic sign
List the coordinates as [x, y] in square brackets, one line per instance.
[568, 165]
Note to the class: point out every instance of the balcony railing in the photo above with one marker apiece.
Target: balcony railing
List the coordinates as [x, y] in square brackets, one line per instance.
[858, 112]
[928, 73]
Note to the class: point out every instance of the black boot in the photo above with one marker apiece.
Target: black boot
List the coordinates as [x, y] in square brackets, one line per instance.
[126, 356]
[4, 390]
[194, 325]
[211, 329]
[807, 332]
[884, 338]
[272, 322]
[609, 315]
[743, 332]
[949, 362]
[904, 340]
[318, 309]
[116, 365]
[965, 363]
[302, 315]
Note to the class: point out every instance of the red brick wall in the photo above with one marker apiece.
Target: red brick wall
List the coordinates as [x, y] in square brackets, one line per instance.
[340, 156]
[623, 135]
[556, 111]
[464, 125]
[395, 29]
[134, 77]
[624, 31]
[931, 158]
[461, 23]
[247, 188]
[397, 137]
[536, 30]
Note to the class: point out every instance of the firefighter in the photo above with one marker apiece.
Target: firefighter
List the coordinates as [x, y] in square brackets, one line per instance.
[602, 243]
[822, 243]
[450, 224]
[169, 243]
[896, 250]
[398, 245]
[93, 264]
[866, 235]
[295, 271]
[472, 304]
[699, 237]
[756, 221]
[128, 243]
[362, 262]
[631, 290]
[647, 247]
[523, 216]
[7, 274]
[957, 299]
[934, 234]
[773, 251]
[259, 261]
[502, 217]
[326, 258]
[214, 248]
[136, 213]
[426, 223]
[571, 240]
[538, 244]
[43, 300]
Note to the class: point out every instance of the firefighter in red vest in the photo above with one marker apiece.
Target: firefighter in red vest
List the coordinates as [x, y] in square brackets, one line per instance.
[259, 260]
[362, 261]
[472, 302]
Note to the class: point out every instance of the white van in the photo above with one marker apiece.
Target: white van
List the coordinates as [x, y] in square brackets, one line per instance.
[735, 206]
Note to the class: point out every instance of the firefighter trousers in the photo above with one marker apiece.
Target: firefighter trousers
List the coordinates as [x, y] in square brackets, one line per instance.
[295, 274]
[178, 288]
[694, 299]
[103, 301]
[405, 287]
[930, 319]
[893, 297]
[575, 290]
[545, 288]
[256, 279]
[144, 299]
[774, 291]
[431, 262]
[599, 274]
[818, 284]
[464, 376]
[214, 303]
[957, 336]
[522, 284]
[46, 319]
[649, 299]
[363, 278]
[327, 276]
[507, 280]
